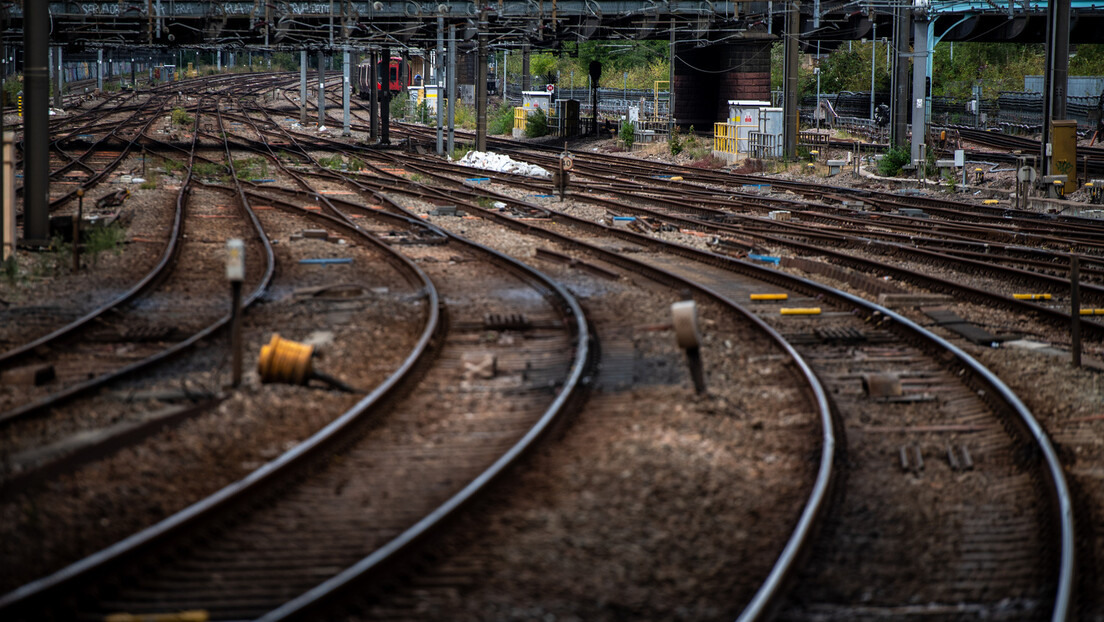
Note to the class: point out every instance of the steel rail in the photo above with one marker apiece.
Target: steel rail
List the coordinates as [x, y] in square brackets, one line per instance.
[30, 597]
[1010, 406]
[169, 257]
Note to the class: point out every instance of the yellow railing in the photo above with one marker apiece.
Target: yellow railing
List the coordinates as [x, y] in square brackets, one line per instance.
[521, 117]
[655, 97]
[724, 137]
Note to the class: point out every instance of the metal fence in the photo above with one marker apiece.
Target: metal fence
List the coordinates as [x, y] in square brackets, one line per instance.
[611, 102]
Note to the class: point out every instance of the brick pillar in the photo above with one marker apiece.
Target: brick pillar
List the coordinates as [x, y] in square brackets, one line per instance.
[702, 86]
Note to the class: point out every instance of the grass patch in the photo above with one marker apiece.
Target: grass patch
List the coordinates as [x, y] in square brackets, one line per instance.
[334, 162]
[181, 117]
[150, 183]
[105, 239]
[250, 169]
[459, 151]
[208, 170]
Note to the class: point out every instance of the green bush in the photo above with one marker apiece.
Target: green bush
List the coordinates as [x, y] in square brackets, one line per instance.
[893, 161]
[501, 120]
[181, 117]
[674, 142]
[398, 106]
[627, 134]
[537, 124]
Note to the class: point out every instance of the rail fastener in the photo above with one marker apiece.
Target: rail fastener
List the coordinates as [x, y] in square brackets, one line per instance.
[769, 296]
[1031, 296]
[799, 311]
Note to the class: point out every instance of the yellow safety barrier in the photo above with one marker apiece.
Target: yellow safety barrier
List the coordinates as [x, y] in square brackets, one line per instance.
[521, 118]
[1031, 296]
[800, 311]
[285, 361]
[770, 296]
[724, 137]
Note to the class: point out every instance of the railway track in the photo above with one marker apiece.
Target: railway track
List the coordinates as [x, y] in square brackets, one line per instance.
[989, 501]
[931, 400]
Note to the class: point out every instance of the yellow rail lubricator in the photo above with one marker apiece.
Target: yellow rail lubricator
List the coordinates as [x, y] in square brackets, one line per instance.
[197, 615]
[289, 362]
[800, 311]
[770, 296]
[1031, 296]
[1092, 311]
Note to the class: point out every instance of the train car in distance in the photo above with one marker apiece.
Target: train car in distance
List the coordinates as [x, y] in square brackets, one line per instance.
[397, 73]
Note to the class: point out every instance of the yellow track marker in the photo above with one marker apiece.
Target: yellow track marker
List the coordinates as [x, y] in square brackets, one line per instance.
[770, 296]
[1031, 296]
[800, 311]
[991, 201]
[1092, 311]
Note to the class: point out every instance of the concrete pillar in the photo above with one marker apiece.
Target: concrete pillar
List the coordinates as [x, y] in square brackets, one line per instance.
[920, 81]
[347, 83]
[303, 87]
[36, 119]
[321, 89]
[99, 70]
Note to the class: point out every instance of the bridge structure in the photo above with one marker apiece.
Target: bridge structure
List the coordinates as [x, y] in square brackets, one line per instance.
[720, 48]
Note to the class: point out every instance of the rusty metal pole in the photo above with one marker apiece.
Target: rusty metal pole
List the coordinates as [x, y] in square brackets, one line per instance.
[481, 86]
[321, 89]
[1075, 308]
[36, 158]
[302, 87]
[373, 99]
